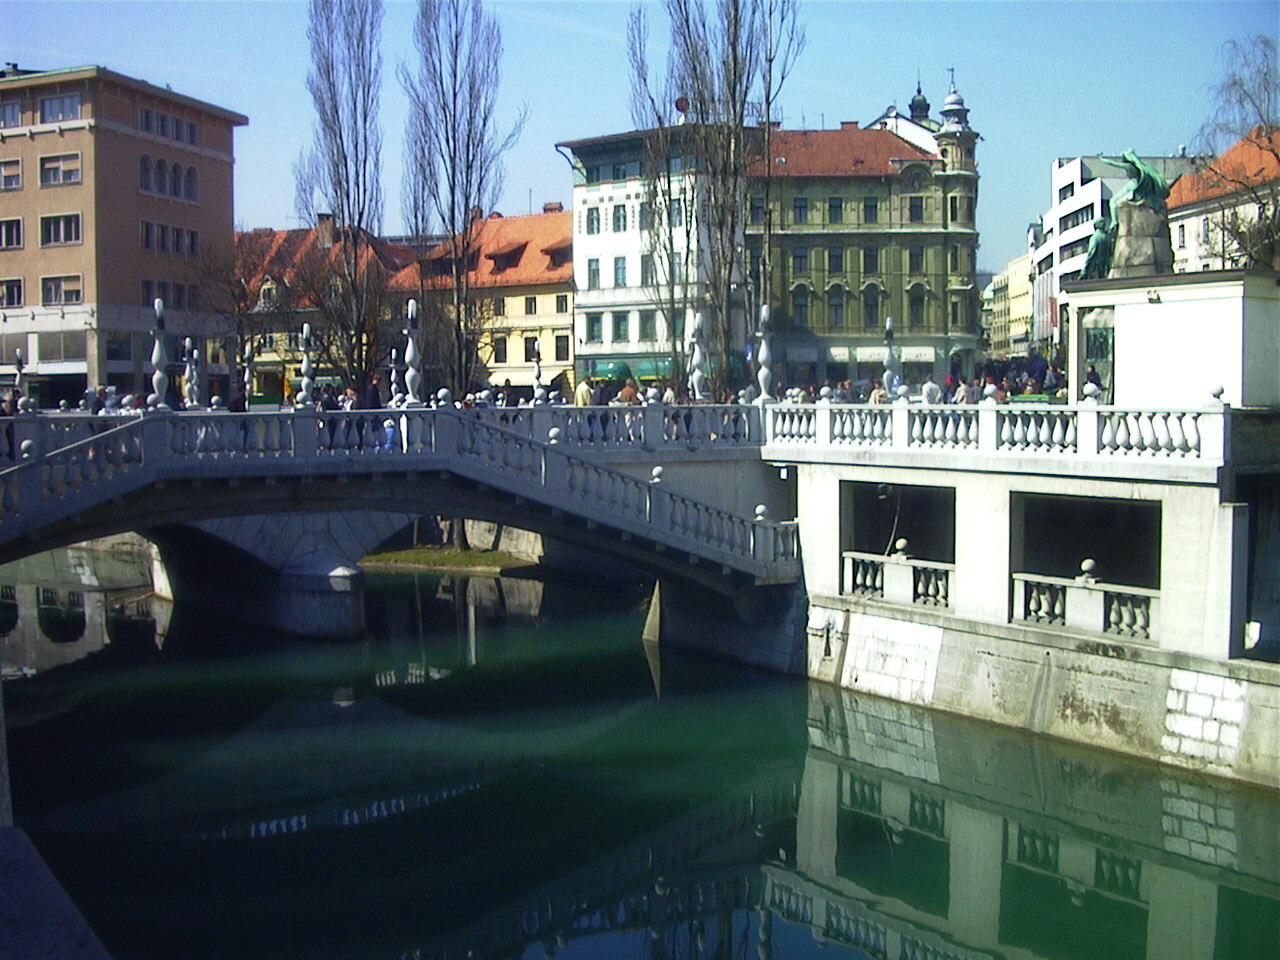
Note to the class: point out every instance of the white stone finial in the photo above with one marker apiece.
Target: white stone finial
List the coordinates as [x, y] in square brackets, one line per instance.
[698, 360]
[655, 475]
[900, 546]
[762, 512]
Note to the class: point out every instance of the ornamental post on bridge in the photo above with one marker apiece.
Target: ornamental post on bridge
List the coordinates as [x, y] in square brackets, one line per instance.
[159, 362]
[307, 384]
[191, 374]
[764, 360]
[412, 359]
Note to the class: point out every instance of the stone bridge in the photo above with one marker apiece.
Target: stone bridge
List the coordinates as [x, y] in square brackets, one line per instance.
[76, 477]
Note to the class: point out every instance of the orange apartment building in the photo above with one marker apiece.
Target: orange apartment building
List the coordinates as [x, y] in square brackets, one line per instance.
[111, 192]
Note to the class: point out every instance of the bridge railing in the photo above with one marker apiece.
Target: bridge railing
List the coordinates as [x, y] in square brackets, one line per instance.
[1086, 430]
[122, 453]
[1083, 603]
[652, 426]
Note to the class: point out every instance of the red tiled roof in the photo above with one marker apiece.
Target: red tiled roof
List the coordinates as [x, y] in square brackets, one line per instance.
[849, 151]
[510, 252]
[1250, 161]
[280, 255]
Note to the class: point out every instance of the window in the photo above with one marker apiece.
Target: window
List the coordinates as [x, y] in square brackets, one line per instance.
[58, 290]
[119, 345]
[10, 113]
[619, 271]
[148, 235]
[621, 332]
[562, 303]
[677, 274]
[1066, 193]
[66, 345]
[64, 168]
[499, 349]
[800, 306]
[162, 177]
[955, 315]
[11, 293]
[870, 210]
[1075, 249]
[10, 174]
[646, 215]
[148, 292]
[162, 291]
[870, 259]
[916, 309]
[193, 297]
[10, 234]
[144, 173]
[915, 209]
[593, 219]
[175, 181]
[65, 107]
[915, 259]
[955, 208]
[1075, 218]
[190, 185]
[835, 307]
[144, 119]
[835, 260]
[955, 259]
[162, 124]
[191, 133]
[162, 238]
[1182, 236]
[648, 325]
[562, 346]
[193, 243]
[871, 309]
[757, 210]
[595, 327]
[619, 218]
[179, 296]
[800, 261]
[499, 306]
[60, 228]
[800, 210]
[593, 274]
[647, 276]
[531, 350]
[835, 210]
[675, 213]
[177, 241]
[968, 209]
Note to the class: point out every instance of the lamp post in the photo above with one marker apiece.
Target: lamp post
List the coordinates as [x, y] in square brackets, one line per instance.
[159, 361]
[412, 375]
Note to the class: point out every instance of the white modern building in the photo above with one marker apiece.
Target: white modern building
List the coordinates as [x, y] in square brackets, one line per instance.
[1082, 188]
[637, 274]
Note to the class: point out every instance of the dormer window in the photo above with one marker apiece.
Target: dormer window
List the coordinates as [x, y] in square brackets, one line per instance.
[267, 295]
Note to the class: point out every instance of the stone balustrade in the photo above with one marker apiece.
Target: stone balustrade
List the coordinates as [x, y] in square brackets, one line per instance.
[1084, 603]
[896, 578]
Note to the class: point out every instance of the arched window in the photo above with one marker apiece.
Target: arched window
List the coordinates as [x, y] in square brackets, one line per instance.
[835, 307]
[162, 177]
[144, 173]
[800, 306]
[191, 189]
[175, 181]
[871, 308]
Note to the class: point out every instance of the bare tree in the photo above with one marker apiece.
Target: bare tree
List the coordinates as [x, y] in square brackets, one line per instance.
[1243, 138]
[722, 54]
[455, 149]
[340, 176]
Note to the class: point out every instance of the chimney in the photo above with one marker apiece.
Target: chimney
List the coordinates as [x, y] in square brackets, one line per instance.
[555, 206]
[324, 229]
[848, 124]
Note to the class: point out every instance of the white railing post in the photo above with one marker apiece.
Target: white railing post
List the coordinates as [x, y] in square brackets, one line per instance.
[822, 423]
[899, 577]
[988, 426]
[1215, 437]
[653, 415]
[1087, 427]
[899, 430]
[306, 432]
[1085, 602]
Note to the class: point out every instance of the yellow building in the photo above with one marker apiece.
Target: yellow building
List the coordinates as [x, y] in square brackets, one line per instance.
[520, 275]
[1020, 304]
[110, 189]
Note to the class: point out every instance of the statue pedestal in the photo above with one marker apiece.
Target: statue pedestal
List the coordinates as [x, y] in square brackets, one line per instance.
[1142, 242]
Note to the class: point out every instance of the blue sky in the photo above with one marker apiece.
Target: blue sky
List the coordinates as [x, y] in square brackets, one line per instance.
[1041, 80]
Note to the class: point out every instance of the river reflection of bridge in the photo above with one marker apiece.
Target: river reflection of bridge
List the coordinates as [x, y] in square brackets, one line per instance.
[802, 815]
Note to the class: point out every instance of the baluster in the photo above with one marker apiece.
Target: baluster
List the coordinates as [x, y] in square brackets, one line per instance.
[1059, 604]
[952, 432]
[1142, 613]
[1177, 439]
[1032, 600]
[1107, 439]
[878, 586]
[1046, 431]
[944, 588]
[1129, 618]
[1113, 614]
[1019, 430]
[1191, 426]
[1122, 433]
[1059, 435]
[917, 432]
[1160, 429]
[1006, 430]
[1142, 435]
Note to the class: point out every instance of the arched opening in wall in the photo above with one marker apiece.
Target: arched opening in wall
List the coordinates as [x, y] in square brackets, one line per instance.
[1051, 535]
[61, 622]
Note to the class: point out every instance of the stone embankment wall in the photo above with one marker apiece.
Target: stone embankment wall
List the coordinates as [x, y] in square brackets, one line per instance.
[1218, 717]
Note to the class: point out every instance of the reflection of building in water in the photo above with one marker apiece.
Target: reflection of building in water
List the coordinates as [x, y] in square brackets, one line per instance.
[60, 606]
[921, 835]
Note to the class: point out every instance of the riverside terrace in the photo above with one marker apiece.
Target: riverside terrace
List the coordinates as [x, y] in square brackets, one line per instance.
[1103, 574]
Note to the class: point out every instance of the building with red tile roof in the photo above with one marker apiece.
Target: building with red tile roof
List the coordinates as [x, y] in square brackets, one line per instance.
[865, 225]
[520, 275]
[1235, 190]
